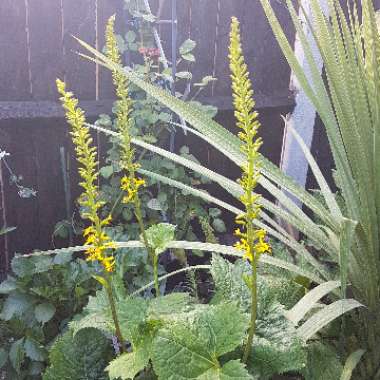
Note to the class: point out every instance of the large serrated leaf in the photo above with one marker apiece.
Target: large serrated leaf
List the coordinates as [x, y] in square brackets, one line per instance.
[44, 312]
[17, 354]
[15, 305]
[232, 370]
[159, 236]
[101, 322]
[81, 358]
[276, 346]
[34, 350]
[322, 363]
[190, 347]
[128, 365]
[169, 304]
[228, 280]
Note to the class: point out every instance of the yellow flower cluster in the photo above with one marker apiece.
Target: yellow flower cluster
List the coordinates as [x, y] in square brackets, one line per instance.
[86, 156]
[130, 184]
[252, 241]
[131, 187]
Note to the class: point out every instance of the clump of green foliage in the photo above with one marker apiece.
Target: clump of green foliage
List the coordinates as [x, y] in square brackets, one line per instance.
[37, 301]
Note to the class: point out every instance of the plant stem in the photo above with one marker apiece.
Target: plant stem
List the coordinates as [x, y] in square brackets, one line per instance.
[252, 327]
[152, 254]
[115, 318]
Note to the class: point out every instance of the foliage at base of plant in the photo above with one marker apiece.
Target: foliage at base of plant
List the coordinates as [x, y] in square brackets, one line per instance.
[38, 301]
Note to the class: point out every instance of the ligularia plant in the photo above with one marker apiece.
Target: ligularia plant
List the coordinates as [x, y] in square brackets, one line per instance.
[95, 236]
[252, 240]
[130, 183]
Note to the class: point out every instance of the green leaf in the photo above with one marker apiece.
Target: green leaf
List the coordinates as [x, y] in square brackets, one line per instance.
[232, 370]
[106, 171]
[322, 363]
[81, 358]
[8, 285]
[184, 75]
[154, 204]
[102, 322]
[3, 357]
[132, 314]
[205, 81]
[310, 300]
[34, 350]
[6, 230]
[228, 280]
[179, 353]
[188, 57]
[127, 366]
[44, 312]
[187, 46]
[190, 347]
[22, 266]
[63, 258]
[169, 304]
[323, 317]
[214, 212]
[225, 325]
[15, 305]
[351, 363]
[160, 235]
[130, 36]
[17, 354]
[219, 225]
[276, 346]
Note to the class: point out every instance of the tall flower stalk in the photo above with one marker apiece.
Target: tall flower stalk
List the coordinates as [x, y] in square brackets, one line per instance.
[130, 183]
[251, 240]
[98, 241]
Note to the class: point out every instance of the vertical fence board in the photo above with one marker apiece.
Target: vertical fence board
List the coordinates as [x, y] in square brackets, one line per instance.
[203, 32]
[46, 47]
[50, 200]
[79, 19]
[14, 77]
[22, 213]
[262, 54]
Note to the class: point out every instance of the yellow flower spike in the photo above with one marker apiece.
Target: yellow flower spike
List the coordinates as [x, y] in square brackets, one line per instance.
[251, 240]
[86, 156]
[95, 236]
[130, 183]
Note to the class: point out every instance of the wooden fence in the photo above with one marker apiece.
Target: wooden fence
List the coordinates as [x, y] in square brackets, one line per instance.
[36, 47]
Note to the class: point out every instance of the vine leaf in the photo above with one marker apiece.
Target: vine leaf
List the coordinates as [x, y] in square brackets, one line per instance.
[160, 235]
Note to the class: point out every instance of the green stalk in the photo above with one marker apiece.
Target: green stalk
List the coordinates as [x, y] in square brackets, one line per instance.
[252, 327]
[151, 253]
[115, 318]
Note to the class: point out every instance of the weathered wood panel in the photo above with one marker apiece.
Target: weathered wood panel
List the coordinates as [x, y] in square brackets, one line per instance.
[46, 49]
[79, 21]
[14, 67]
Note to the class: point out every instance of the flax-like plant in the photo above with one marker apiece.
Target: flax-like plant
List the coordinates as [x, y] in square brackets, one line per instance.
[130, 183]
[97, 240]
[251, 239]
